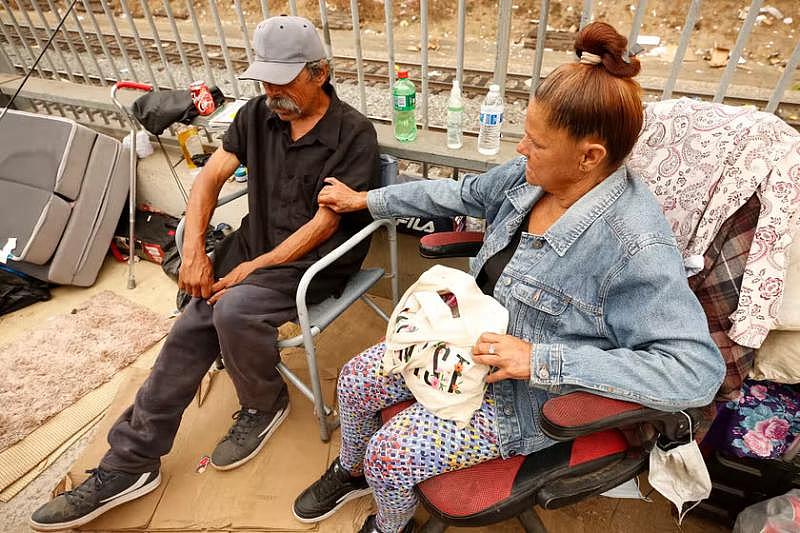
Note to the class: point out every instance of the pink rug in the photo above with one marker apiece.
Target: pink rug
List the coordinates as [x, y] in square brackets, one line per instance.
[53, 364]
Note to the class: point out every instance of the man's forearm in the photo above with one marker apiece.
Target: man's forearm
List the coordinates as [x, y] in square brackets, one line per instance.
[203, 198]
[198, 214]
[310, 236]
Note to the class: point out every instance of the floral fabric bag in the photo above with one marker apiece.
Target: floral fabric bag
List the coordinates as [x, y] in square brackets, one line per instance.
[430, 337]
[764, 421]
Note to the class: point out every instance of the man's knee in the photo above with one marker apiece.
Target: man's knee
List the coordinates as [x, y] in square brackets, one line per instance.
[234, 309]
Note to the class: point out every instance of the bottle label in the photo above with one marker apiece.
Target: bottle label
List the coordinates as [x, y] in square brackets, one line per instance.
[194, 145]
[454, 119]
[491, 119]
[404, 102]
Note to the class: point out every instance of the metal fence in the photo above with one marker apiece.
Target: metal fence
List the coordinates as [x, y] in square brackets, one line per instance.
[97, 47]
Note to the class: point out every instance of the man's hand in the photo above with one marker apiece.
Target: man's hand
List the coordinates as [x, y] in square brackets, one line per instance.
[510, 356]
[196, 275]
[340, 198]
[234, 277]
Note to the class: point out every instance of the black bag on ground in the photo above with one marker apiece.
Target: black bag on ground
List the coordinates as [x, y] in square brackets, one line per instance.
[155, 235]
[158, 110]
[172, 260]
[18, 290]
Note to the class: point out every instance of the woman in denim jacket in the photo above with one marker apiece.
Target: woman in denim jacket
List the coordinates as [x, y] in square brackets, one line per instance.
[578, 251]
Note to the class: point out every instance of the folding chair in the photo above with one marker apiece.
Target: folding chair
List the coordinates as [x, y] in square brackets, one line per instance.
[313, 319]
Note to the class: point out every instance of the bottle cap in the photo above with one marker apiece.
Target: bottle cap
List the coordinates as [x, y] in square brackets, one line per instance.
[401, 74]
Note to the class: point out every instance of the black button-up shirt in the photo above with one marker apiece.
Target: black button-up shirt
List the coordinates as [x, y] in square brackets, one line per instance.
[284, 179]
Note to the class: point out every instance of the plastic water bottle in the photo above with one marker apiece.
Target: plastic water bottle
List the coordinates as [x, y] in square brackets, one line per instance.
[455, 118]
[403, 98]
[491, 122]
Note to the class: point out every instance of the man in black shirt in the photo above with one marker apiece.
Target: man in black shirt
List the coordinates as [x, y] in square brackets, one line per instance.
[290, 139]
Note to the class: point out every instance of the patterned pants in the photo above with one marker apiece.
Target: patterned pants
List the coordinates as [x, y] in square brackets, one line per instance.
[413, 446]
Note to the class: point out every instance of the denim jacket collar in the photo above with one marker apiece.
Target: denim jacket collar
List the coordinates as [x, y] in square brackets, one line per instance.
[579, 216]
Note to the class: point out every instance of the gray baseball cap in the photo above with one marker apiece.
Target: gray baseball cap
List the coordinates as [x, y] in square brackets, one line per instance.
[282, 46]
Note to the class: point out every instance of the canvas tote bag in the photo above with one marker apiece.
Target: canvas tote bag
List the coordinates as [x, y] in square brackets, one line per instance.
[430, 342]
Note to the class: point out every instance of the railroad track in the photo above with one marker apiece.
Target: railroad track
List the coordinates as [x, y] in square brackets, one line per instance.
[376, 72]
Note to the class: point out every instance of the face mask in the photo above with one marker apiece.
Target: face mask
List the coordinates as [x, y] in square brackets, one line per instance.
[680, 474]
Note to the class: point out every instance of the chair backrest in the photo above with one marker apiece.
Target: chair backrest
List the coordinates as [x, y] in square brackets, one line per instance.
[704, 161]
[388, 170]
[695, 154]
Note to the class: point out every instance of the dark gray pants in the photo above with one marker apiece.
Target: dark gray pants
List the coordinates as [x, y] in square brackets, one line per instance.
[243, 326]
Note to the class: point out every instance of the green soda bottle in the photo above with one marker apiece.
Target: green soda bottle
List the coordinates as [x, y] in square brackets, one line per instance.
[403, 98]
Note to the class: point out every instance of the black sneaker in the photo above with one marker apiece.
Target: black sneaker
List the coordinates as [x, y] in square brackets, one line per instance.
[248, 434]
[370, 527]
[335, 488]
[102, 491]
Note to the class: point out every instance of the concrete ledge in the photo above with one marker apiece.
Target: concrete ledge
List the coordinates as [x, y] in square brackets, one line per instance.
[429, 147]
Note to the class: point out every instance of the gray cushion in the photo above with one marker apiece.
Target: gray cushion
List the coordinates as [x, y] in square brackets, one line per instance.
[35, 217]
[45, 152]
[94, 215]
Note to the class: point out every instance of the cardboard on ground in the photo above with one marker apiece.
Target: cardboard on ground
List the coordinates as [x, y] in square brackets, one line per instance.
[255, 497]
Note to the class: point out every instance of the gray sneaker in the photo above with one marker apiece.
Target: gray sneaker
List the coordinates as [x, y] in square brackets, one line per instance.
[248, 434]
[102, 491]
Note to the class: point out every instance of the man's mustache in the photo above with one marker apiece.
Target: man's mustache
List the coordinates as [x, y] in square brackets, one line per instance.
[282, 103]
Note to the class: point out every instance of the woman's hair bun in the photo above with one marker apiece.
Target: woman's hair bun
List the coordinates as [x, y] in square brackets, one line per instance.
[603, 40]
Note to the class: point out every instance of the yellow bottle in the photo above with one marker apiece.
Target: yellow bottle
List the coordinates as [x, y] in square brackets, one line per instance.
[190, 143]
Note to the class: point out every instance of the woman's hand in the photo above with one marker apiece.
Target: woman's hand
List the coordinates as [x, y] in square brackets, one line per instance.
[234, 277]
[341, 198]
[510, 356]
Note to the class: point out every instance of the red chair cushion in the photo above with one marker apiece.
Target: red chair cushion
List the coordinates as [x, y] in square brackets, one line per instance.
[472, 490]
[597, 446]
[484, 490]
[392, 410]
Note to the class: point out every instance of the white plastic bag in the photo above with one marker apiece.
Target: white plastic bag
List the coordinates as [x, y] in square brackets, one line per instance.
[143, 146]
[780, 514]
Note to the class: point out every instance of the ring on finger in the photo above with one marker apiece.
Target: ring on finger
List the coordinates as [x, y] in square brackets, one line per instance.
[491, 349]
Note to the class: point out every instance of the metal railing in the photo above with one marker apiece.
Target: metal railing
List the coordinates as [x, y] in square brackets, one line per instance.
[99, 48]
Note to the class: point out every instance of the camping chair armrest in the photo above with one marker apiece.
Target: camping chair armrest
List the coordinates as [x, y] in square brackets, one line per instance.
[581, 413]
[228, 198]
[327, 260]
[182, 222]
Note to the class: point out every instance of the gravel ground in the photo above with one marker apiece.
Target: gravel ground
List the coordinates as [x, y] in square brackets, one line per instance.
[378, 98]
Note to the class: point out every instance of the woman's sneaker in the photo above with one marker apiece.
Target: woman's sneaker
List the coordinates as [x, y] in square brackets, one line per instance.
[335, 488]
[102, 491]
[371, 527]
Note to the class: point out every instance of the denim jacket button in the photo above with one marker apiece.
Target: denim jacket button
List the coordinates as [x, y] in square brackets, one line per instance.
[508, 410]
[537, 244]
[507, 281]
[543, 373]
